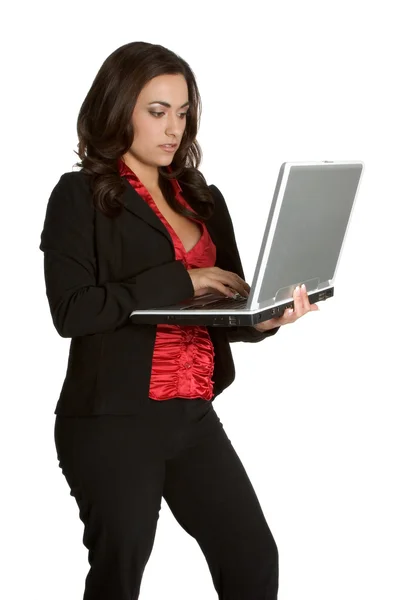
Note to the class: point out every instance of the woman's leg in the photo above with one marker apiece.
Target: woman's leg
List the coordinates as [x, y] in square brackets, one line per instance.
[210, 495]
[115, 468]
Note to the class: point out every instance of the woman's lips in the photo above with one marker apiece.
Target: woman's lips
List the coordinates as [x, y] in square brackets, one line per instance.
[169, 148]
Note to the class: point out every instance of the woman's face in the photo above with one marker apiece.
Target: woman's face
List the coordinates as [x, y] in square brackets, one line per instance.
[152, 130]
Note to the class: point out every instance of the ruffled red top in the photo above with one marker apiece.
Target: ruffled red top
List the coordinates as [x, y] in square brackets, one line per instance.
[183, 358]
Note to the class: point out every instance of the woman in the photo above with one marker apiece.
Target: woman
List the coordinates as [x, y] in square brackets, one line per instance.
[138, 227]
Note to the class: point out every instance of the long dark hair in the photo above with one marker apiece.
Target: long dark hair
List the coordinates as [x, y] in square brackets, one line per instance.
[105, 130]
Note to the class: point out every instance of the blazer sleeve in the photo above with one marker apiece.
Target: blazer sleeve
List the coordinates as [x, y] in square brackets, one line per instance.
[78, 305]
[231, 262]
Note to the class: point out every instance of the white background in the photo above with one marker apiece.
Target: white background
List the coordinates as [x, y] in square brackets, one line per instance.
[313, 413]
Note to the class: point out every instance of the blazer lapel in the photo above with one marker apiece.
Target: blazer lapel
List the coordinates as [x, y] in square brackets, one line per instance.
[139, 207]
[135, 204]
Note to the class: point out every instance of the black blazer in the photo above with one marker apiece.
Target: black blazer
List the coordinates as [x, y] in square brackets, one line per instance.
[97, 270]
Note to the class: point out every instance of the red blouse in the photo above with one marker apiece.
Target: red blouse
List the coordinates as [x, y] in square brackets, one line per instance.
[183, 358]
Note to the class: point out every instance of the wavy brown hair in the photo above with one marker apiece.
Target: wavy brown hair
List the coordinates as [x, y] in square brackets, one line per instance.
[105, 129]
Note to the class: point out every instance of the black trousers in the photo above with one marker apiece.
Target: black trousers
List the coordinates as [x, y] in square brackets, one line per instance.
[118, 468]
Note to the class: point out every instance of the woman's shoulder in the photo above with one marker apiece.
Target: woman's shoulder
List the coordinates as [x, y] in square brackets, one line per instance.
[71, 179]
[220, 206]
[70, 194]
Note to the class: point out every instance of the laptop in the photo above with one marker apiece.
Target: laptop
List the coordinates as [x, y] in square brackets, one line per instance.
[302, 243]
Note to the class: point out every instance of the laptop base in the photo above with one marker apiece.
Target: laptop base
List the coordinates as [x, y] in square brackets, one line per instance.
[225, 318]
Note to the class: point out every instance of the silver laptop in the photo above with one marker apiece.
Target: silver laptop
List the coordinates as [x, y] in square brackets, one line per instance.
[302, 243]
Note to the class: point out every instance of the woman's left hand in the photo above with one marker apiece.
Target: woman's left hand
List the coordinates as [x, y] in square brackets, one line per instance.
[301, 307]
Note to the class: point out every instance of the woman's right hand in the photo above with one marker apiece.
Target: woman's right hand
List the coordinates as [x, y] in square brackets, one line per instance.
[214, 279]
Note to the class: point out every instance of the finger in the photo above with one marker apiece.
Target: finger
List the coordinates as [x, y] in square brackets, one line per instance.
[239, 290]
[217, 285]
[201, 291]
[205, 290]
[238, 284]
[231, 280]
[289, 316]
[244, 285]
[306, 301]
[298, 301]
[225, 291]
[241, 285]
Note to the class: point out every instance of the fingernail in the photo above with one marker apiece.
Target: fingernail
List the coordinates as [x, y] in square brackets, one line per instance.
[297, 290]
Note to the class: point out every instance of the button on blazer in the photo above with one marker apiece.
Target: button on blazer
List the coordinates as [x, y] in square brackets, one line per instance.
[98, 270]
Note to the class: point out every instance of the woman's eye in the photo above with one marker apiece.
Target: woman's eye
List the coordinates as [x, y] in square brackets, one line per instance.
[157, 114]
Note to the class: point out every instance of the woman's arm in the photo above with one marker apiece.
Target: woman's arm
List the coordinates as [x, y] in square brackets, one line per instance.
[78, 306]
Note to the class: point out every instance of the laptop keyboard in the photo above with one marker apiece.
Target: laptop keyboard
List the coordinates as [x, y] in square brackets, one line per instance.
[224, 303]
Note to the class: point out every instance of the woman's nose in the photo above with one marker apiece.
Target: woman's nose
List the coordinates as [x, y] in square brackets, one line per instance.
[175, 125]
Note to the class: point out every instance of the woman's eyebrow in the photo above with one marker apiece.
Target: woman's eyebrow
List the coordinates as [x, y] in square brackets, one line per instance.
[166, 103]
